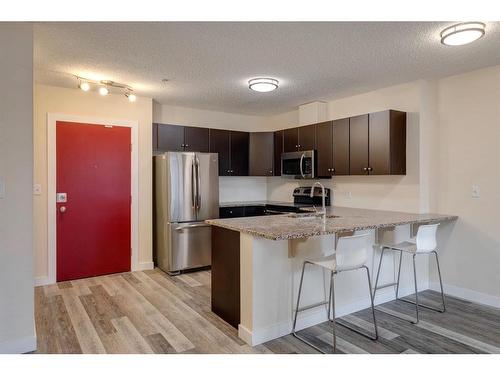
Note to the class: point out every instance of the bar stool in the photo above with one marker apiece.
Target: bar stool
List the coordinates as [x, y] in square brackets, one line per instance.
[423, 244]
[350, 255]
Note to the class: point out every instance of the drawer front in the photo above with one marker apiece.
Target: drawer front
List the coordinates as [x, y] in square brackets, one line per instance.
[229, 212]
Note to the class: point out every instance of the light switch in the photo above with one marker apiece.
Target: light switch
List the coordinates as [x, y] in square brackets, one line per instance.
[2, 188]
[476, 192]
[37, 189]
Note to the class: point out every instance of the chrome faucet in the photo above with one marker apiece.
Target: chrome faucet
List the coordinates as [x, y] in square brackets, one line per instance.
[323, 200]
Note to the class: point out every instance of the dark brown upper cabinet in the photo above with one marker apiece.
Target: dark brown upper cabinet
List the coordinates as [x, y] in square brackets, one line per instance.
[307, 137]
[261, 154]
[341, 144]
[180, 138]
[232, 147]
[239, 153]
[290, 140]
[387, 143]
[196, 139]
[278, 150]
[358, 145]
[378, 143]
[220, 143]
[170, 137]
[299, 139]
[324, 148]
[332, 148]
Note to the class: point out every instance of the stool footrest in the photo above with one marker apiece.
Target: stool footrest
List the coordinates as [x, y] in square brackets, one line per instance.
[422, 305]
[385, 286]
[313, 306]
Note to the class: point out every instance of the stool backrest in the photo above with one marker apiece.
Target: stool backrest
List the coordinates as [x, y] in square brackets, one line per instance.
[426, 238]
[352, 251]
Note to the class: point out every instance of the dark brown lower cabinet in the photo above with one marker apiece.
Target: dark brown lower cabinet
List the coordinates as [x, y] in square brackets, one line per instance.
[226, 275]
[261, 154]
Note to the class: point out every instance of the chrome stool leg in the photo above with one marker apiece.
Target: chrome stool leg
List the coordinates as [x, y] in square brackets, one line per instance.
[440, 310]
[369, 336]
[440, 281]
[297, 309]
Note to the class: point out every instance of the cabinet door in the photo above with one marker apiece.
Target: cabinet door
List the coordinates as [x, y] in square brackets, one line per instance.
[278, 150]
[196, 139]
[170, 137]
[340, 147]
[324, 148]
[290, 140]
[219, 143]
[358, 145]
[239, 153]
[379, 143]
[261, 154]
[307, 137]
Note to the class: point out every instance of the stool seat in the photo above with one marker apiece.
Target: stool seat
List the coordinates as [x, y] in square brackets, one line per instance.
[406, 246]
[328, 262]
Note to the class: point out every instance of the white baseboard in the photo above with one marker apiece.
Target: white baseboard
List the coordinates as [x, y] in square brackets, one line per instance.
[145, 266]
[314, 316]
[18, 346]
[43, 280]
[468, 294]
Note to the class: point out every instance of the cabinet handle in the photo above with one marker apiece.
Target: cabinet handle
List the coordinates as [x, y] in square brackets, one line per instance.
[186, 145]
[365, 169]
[333, 170]
[370, 169]
[183, 145]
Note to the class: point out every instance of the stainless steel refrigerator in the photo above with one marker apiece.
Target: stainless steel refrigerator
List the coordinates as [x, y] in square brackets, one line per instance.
[186, 194]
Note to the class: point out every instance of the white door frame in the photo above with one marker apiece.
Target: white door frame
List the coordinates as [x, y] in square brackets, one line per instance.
[52, 119]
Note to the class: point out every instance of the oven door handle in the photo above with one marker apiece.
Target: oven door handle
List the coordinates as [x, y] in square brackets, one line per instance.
[300, 165]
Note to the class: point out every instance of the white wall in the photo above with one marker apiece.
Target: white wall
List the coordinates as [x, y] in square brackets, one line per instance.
[75, 102]
[469, 153]
[398, 193]
[17, 331]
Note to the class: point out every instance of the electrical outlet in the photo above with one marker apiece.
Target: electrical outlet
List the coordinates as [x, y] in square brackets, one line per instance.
[348, 195]
[476, 192]
[37, 189]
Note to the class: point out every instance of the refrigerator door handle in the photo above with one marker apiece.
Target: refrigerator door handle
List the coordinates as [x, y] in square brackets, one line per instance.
[194, 192]
[198, 184]
[188, 226]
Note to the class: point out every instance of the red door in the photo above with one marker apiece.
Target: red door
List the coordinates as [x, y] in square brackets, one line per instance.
[93, 221]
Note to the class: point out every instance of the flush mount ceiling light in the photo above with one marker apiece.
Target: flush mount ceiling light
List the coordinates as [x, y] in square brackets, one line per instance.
[263, 84]
[462, 33]
[104, 87]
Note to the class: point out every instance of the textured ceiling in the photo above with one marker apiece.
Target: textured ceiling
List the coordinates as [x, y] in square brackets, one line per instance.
[208, 64]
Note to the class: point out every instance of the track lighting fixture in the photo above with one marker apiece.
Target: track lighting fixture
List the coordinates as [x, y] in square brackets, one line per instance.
[104, 87]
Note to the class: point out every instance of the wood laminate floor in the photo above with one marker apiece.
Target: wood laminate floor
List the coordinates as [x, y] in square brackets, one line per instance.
[151, 312]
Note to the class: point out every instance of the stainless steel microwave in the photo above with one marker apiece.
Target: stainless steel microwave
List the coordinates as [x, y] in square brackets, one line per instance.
[299, 165]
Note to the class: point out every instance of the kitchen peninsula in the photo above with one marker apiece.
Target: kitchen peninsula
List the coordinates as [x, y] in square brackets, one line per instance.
[256, 263]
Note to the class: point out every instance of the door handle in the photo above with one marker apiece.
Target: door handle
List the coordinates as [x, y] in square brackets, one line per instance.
[198, 183]
[301, 171]
[193, 187]
[189, 226]
[62, 209]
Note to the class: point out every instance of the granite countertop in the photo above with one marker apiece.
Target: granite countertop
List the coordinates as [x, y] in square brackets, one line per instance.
[339, 219]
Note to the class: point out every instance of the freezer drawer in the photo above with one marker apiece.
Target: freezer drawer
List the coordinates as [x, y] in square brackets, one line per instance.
[187, 245]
